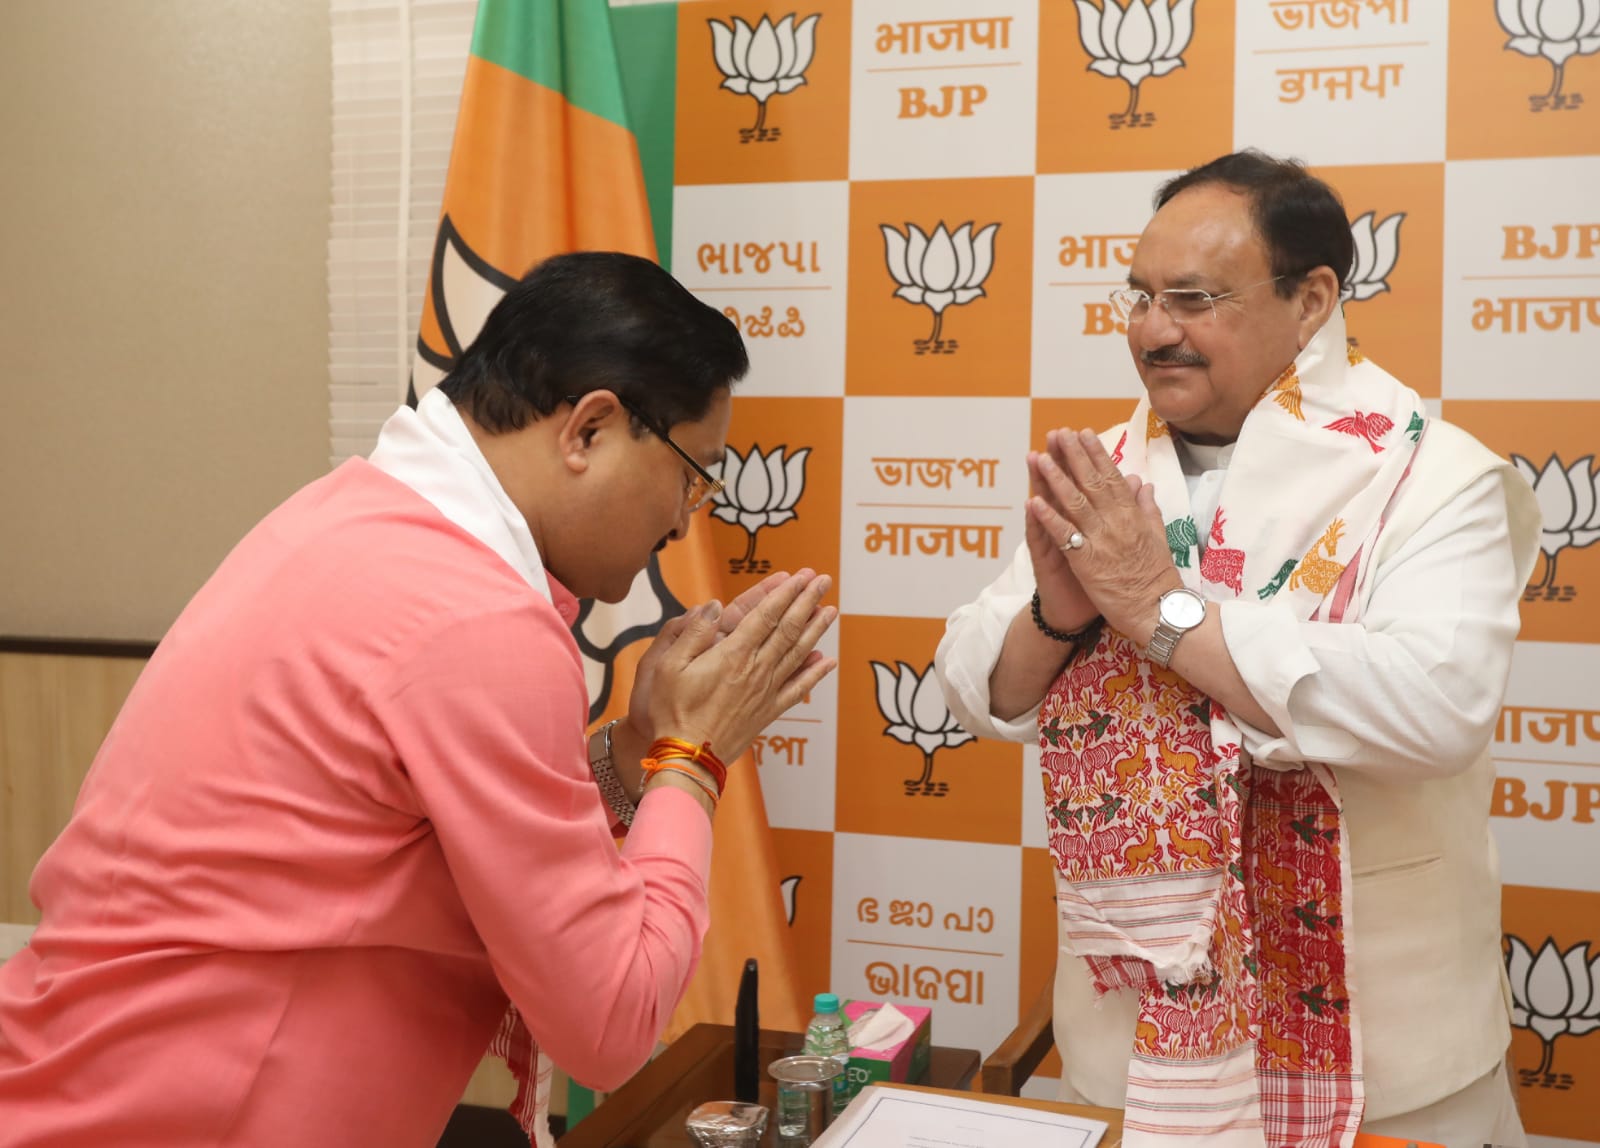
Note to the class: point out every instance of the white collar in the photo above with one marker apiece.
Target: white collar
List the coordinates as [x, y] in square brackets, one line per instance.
[1198, 458]
[431, 450]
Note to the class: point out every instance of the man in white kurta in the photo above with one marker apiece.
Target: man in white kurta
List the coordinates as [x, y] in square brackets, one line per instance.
[1399, 705]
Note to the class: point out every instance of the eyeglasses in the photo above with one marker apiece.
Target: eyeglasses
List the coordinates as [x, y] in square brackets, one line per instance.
[1182, 304]
[699, 487]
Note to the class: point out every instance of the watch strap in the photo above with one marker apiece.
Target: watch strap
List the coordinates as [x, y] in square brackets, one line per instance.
[1163, 643]
[609, 783]
[1165, 640]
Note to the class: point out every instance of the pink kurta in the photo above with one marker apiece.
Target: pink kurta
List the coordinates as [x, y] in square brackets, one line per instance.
[343, 815]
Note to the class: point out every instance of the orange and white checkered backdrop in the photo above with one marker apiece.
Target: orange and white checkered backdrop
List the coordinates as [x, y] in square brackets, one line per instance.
[842, 169]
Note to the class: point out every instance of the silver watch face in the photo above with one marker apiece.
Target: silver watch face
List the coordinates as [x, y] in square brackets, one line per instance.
[1182, 609]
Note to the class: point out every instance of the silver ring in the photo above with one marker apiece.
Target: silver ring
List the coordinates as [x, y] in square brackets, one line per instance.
[1074, 541]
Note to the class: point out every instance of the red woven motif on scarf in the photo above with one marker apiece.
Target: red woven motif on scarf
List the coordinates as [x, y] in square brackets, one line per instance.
[1133, 793]
[1293, 874]
[1141, 806]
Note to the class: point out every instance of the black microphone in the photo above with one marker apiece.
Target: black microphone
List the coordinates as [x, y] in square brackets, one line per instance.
[747, 1038]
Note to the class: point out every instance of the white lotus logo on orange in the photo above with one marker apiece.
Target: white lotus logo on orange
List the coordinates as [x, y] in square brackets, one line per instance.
[758, 490]
[1133, 41]
[1553, 994]
[1556, 30]
[1377, 248]
[463, 289]
[915, 709]
[764, 61]
[602, 632]
[939, 271]
[1569, 512]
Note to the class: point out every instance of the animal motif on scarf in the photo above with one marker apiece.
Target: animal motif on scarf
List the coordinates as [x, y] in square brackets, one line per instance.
[1182, 538]
[1219, 564]
[1315, 571]
[1285, 391]
[1361, 424]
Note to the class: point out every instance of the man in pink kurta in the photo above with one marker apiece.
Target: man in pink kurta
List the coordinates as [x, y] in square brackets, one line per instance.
[346, 815]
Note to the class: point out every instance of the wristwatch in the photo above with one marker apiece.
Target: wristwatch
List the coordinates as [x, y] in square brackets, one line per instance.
[1181, 611]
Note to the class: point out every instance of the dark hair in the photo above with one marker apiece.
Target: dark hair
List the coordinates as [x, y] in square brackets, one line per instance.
[1299, 218]
[595, 320]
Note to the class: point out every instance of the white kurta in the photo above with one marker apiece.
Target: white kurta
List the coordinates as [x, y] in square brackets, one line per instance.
[1408, 696]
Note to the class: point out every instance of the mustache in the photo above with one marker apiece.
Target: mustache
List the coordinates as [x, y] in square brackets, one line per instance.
[1171, 357]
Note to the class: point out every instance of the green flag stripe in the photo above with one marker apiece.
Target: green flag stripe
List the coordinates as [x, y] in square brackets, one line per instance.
[647, 37]
[563, 45]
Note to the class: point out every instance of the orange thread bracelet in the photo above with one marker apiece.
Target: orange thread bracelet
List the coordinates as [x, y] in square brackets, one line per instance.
[651, 767]
[718, 783]
[665, 748]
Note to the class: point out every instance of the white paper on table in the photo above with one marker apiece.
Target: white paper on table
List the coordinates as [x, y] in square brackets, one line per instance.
[888, 1117]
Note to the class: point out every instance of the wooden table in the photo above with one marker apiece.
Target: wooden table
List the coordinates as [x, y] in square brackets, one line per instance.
[650, 1110]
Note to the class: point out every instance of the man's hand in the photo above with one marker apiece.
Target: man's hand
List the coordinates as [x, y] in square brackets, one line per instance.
[633, 735]
[1062, 600]
[725, 688]
[1124, 564]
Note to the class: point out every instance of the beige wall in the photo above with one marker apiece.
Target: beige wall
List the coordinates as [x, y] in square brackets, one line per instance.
[164, 190]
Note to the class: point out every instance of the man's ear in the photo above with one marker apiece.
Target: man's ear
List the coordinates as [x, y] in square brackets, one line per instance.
[1319, 295]
[593, 415]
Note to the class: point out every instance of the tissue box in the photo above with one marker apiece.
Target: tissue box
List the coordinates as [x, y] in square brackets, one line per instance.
[905, 1063]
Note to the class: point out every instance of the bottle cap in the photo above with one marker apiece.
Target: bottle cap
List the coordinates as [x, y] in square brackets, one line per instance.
[826, 1002]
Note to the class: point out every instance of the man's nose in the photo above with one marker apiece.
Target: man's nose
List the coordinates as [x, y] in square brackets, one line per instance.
[1158, 328]
[681, 527]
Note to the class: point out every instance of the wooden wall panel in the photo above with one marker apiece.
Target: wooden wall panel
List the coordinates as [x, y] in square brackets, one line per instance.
[55, 711]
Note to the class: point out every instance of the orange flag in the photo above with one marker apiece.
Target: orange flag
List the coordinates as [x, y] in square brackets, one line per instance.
[544, 162]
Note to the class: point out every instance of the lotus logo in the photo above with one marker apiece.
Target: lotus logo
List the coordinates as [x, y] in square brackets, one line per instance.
[1556, 30]
[462, 289]
[915, 709]
[1377, 248]
[1569, 510]
[764, 61]
[1132, 41]
[1553, 994]
[759, 490]
[938, 271]
[604, 631]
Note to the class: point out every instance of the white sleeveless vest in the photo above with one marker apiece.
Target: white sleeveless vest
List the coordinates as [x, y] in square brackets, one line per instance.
[1425, 919]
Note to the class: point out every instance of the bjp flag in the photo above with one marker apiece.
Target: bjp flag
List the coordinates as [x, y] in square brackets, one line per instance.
[544, 162]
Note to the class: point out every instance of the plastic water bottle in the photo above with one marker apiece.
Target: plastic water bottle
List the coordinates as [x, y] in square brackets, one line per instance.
[827, 1035]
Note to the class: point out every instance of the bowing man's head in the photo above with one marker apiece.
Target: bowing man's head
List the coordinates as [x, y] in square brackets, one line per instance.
[599, 392]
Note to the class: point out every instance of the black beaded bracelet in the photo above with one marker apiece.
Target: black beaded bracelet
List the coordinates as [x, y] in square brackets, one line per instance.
[1078, 639]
